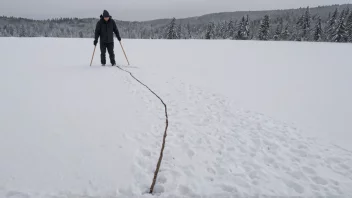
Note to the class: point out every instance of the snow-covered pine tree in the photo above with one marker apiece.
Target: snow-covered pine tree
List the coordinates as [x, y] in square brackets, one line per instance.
[349, 28]
[4, 31]
[241, 34]
[347, 12]
[277, 34]
[222, 29]
[330, 27]
[340, 34]
[246, 31]
[36, 29]
[179, 31]
[318, 31]
[13, 30]
[217, 31]
[298, 34]
[68, 32]
[210, 31]
[303, 26]
[171, 30]
[10, 30]
[151, 32]
[230, 30]
[281, 27]
[286, 33]
[278, 31]
[189, 31]
[22, 31]
[264, 28]
[306, 25]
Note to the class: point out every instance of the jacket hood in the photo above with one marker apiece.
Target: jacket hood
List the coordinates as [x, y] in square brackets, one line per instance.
[106, 14]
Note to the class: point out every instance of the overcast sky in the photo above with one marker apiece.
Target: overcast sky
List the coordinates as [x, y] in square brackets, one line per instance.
[144, 9]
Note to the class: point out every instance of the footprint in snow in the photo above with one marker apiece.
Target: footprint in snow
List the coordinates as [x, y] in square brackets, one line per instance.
[211, 170]
[158, 189]
[319, 180]
[184, 190]
[190, 153]
[162, 179]
[228, 188]
[298, 188]
[309, 170]
[145, 152]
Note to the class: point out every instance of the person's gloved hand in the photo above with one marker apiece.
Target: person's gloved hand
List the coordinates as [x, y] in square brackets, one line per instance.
[119, 38]
[95, 42]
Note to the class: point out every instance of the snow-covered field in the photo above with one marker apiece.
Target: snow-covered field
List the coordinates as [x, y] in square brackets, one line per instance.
[245, 119]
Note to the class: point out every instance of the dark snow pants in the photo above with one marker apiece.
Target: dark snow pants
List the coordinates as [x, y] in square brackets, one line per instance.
[110, 47]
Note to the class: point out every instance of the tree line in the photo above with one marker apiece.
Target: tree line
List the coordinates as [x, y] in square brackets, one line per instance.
[337, 27]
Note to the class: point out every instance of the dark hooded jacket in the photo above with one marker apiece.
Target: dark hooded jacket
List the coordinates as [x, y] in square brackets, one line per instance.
[105, 29]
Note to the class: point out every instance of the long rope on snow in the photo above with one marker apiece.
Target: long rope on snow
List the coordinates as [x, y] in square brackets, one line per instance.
[165, 132]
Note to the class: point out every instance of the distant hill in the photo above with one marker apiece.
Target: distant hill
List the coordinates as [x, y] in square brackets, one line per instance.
[322, 11]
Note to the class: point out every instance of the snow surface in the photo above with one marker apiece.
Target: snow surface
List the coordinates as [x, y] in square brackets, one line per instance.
[246, 119]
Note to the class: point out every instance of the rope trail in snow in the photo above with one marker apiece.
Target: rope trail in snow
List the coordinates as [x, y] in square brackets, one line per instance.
[165, 132]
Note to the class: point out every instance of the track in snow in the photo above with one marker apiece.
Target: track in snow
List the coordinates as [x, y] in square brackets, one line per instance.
[165, 132]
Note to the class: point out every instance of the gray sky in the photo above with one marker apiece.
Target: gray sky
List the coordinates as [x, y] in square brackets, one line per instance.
[144, 9]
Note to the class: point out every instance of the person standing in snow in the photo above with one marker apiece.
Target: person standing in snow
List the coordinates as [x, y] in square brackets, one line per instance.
[105, 28]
